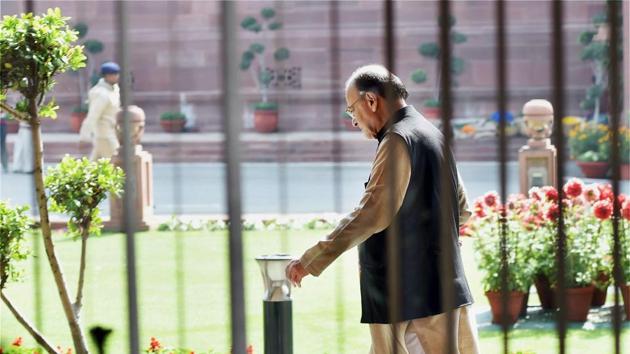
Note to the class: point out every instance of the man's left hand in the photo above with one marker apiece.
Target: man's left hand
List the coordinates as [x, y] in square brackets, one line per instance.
[295, 272]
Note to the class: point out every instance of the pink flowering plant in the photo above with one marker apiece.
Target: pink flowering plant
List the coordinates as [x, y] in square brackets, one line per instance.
[484, 226]
[532, 225]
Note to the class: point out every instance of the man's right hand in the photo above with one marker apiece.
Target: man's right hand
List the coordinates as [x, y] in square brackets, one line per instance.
[295, 272]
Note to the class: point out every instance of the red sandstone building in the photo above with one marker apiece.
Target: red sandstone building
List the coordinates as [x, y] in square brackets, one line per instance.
[175, 50]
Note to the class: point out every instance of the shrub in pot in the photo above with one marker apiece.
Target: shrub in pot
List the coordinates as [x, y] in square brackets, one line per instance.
[172, 122]
[485, 228]
[77, 117]
[589, 144]
[254, 60]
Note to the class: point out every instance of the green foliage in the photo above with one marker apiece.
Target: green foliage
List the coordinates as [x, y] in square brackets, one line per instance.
[172, 116]
[81, 28]
[14, 223]
[458, 38]
[257, 48]
[266, 106]
[93, 46]
[256, 51]
[35, 49]
[274, 26]
[590, 142]
[487, 244]
[433, 51]
[432, 103]
[82, 108]
[429, 50]
[76, 188]
[281, 54]
[586, 37]
[267, 13]
[419, 76]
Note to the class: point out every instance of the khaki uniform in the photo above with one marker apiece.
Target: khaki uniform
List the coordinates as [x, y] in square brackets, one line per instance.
[100, 123]
[373, 216]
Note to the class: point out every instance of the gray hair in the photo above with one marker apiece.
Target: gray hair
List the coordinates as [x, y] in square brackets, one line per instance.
[377, 79]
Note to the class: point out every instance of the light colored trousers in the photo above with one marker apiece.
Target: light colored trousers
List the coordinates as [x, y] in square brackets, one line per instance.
[426, 335]
[105, 147]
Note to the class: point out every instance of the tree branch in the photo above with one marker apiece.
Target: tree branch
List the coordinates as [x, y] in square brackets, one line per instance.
[12, 111]
[78, 303]
[39, 338]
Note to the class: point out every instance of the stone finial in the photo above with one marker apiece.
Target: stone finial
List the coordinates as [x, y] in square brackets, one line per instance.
[137, 121]
[538, 117]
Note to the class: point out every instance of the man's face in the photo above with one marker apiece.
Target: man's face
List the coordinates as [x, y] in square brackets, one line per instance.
[362, 112]
[112, 78]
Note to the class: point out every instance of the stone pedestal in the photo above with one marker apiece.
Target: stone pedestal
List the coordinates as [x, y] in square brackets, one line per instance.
[537, 159]
[142, 163]
[143, 170]
[537, 167]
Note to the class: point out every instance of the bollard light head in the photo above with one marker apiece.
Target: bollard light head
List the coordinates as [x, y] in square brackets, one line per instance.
[272, 268]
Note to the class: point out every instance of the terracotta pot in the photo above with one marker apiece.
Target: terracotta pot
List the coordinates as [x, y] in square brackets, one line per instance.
[593, 169]
[13, 126]
[431, 112]
[173, 126]
[545, 293]
[514, 305]
[523, 312]
[76, 119]
[578, 302]
[625, 293]
[266, 120]
[625, 171]
[599, 295]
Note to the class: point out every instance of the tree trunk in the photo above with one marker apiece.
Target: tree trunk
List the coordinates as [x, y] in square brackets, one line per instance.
[39, 338]
[78, 303]
[77, 335]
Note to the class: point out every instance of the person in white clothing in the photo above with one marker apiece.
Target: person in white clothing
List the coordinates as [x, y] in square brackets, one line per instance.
[104, 104]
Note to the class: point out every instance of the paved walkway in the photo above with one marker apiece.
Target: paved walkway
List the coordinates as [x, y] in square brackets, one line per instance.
[268, 188]
[314, 146]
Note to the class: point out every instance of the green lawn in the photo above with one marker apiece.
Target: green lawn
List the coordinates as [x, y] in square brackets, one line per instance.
[326, 309]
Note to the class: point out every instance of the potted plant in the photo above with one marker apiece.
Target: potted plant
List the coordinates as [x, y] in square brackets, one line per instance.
[541, 242]
[432, 50]
[484, 226]
[172, 122]
[590, 147]
[431, 108]
[596, 52]
[587, 211]
[78, 116]
[254, 60]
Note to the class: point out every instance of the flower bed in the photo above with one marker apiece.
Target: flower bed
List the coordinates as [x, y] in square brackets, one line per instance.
[531, 242]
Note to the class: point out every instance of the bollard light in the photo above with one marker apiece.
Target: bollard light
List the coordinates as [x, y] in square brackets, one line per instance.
[277, 308]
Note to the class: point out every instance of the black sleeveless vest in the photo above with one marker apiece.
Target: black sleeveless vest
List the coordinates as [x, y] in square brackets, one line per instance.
[418, 232]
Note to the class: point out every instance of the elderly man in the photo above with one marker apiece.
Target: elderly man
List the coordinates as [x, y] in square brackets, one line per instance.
[104, 103]
[411, 192]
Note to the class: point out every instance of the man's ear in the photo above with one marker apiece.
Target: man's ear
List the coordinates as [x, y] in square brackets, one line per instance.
[372, 101]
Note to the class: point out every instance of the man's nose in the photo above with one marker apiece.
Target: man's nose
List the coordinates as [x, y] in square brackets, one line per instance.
[354, 122]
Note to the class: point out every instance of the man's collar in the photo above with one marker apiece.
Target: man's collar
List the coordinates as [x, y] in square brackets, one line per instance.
[396, 117]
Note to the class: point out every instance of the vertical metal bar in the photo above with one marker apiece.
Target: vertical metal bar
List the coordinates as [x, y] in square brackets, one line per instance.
[557, 72]
[129, 197]
[615, 108]
[502, 153]
[179, 236]
[393, 236]
[335, 99]
[446, 192]
[231, 119]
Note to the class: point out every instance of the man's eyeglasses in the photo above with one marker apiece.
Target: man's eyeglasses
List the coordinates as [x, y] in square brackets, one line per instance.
[350, 108]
